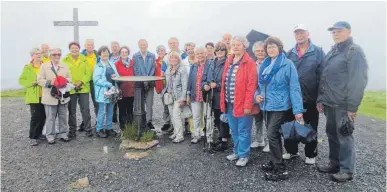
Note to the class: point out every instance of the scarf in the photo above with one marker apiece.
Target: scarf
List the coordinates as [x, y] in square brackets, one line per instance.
[268, 69]
[126, 62]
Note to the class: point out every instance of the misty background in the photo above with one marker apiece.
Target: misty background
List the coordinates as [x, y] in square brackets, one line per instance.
[28, 24]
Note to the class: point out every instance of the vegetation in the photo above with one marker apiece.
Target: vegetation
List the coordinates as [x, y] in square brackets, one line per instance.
[374, 104]
[130, 132]
[13, 93]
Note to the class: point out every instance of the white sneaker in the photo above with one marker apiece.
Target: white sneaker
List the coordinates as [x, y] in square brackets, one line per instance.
[195, 140]
[232, 157]
[172, 137]
[242, 162]
[254, 144]
[266, 149]
[310, 161]
[290, 156]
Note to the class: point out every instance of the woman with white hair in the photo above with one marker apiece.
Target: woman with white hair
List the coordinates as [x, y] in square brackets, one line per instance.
[33, 96]
[174, 94]
[49, 75]
[239, 83]
[258, 137]
[194, 92]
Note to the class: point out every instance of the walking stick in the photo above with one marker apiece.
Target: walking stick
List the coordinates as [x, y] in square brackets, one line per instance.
[211, 128]
[205, 124]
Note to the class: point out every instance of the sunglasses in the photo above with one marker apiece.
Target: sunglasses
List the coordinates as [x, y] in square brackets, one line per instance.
[216, 50]
[57, 54]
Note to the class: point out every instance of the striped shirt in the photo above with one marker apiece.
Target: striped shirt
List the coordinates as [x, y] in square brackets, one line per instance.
[230, 82]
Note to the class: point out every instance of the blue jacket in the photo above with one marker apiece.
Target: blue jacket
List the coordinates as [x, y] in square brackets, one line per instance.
[191, 88]
[283, 90]
[101, 85]
[144, 68]
[309, 68]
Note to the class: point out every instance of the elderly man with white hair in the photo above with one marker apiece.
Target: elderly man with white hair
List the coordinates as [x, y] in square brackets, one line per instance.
[44, 49]
[239, 83]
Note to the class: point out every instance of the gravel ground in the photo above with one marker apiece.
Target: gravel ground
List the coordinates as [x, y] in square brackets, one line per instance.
[171, 167]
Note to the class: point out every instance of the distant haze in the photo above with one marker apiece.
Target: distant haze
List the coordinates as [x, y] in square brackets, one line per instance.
[28, 24]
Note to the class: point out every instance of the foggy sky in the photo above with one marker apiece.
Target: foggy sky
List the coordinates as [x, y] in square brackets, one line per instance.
[28, 24]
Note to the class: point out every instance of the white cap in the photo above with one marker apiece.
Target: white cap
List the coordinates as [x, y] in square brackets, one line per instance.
[300, 27]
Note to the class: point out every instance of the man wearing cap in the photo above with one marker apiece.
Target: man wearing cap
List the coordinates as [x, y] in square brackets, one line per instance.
[342, 85]
[308, 59]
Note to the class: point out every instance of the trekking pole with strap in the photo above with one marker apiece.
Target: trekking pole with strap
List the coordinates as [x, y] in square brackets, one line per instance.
[205, 124]
[211, 127]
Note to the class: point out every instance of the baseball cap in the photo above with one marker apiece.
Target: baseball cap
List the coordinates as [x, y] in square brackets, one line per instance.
[340, 25]
[300, 27]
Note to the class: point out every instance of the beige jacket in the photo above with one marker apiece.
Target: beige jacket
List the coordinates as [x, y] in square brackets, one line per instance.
[45, 76]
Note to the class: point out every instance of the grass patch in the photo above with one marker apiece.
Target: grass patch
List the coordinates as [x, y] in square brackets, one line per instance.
[13, 93]
[130, 132]
[374, 104]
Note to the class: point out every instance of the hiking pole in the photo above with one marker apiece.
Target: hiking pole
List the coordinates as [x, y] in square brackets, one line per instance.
[205, 124]
[211, 127]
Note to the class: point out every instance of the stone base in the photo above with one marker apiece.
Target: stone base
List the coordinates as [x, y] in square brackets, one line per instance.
[80, 184]
[136, 155]
[130, 144]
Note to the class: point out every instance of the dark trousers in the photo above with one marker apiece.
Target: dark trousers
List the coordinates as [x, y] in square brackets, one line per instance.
[125, 106]
[83, 100]
[310, 117]
[92, 93]
[115, 112]
[166, 116]
[341, 148]
[38, 119]
[224, 129]
[274, 120]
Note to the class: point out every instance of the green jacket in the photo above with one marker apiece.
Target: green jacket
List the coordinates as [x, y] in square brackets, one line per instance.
[79, 72]
[26, 78]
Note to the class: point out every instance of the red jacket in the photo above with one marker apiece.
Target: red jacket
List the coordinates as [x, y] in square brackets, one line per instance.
[245, 86]
[127, 88]
[158, 84]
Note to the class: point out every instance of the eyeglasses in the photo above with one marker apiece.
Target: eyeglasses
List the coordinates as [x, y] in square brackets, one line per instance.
[216, 50]
[56, 55]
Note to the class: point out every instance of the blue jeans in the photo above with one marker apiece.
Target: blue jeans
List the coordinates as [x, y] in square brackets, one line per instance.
[101, 115]
[240, 132]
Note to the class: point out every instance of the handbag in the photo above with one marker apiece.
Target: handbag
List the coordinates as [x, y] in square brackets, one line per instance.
[168, 99]
[59, 82]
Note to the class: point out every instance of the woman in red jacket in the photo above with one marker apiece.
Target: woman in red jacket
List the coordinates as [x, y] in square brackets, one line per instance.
[125, 68]
[239, 83]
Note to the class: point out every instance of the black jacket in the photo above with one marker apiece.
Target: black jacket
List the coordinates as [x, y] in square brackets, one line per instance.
[309, 68]
[344, 77]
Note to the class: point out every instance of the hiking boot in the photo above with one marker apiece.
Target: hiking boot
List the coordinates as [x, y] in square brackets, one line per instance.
[218, 142]
[52, 141]
[81, 127]
[66, 139]
[221, 147]
[310, 161]
[277, 175]
[341, 177]
[288, 156]
[269, 166]
[42, 137]
[242, 162]
[232, 157]
[266, 149]
[195, 140]
[150, 126]
[165, 127]
[101, 134]
[111, 133]
[172, 137]
[89, 133]
[33, 142]
[72, 135]
[256, 144]
[328, 169]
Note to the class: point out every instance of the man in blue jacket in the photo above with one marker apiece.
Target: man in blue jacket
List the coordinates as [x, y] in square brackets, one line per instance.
[342, 85]
[145, 66]
[308, 60]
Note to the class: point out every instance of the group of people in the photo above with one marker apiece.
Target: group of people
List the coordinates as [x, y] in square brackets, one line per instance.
[216, 80]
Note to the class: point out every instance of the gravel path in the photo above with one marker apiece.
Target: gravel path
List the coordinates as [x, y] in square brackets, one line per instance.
[171, 167]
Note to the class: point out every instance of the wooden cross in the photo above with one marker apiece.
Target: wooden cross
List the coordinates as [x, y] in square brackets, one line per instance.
[76, 23]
